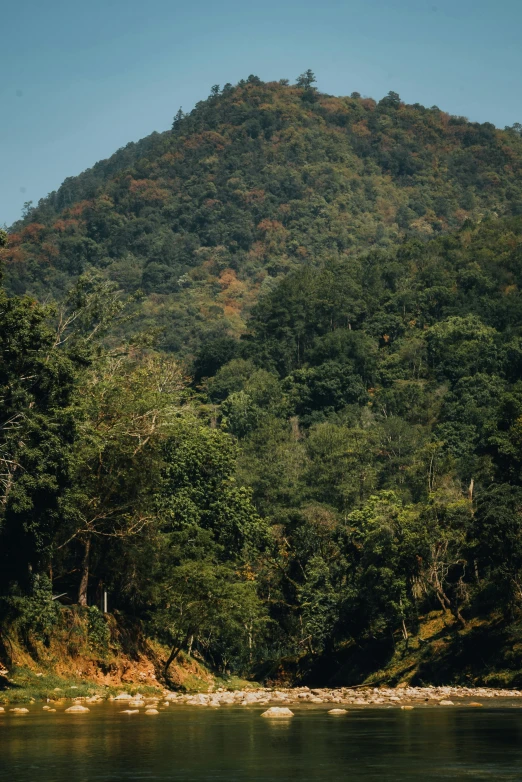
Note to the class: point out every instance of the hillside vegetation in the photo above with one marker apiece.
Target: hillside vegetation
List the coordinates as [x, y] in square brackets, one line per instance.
[335, 491]
[258, 180]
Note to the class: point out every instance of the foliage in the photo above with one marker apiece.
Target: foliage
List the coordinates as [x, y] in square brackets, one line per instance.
[98, 630]
[256, 181]
[383, 464]
[343, 278]
[35, 615]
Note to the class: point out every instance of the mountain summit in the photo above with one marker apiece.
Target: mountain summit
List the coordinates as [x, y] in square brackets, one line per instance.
[261, 178]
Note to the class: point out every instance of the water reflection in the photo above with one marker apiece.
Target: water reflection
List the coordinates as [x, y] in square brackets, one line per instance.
[231, 744]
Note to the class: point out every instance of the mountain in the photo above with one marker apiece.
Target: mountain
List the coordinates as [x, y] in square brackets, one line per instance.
[337, 495]
[258, 180]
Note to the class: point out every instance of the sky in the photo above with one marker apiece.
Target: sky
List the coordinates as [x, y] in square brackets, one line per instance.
[81, 79]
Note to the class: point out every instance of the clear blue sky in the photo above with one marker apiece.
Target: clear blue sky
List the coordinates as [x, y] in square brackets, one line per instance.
[80, 79]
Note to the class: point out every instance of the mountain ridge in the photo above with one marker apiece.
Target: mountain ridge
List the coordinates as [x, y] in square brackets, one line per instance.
[258, 180]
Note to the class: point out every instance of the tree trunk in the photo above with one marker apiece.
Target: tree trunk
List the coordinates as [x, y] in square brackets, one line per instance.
[174, 653]
[84, 582]
[470, 490]
[446, 603]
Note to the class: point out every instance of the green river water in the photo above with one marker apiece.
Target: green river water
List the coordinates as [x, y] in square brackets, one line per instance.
[228, 744]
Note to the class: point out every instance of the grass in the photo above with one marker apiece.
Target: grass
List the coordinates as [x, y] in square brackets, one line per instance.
[25, 686]
[235, 683]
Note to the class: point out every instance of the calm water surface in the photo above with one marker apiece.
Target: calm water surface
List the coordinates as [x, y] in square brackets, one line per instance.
[229, 744]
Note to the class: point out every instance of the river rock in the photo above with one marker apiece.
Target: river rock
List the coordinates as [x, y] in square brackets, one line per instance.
[76, 709]
[475, 704]
[124, 696]
[20, 710]
[407, 708]
[338, 711]
[200, 700]
[130, 711]
[446, 703]
[278, 712]
[151, 711]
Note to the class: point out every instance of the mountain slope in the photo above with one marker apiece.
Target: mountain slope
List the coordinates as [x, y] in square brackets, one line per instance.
[344, 491]
[259, 179]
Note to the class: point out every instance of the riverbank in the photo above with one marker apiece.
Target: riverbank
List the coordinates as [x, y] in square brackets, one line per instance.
[136, 698]
[75, 663]
[26, 686]
[346, 697]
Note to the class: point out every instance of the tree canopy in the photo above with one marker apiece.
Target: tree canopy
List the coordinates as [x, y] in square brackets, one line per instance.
[275, 406]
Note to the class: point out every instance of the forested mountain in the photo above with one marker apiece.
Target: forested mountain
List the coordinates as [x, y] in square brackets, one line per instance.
[257, 180]
[343, 467]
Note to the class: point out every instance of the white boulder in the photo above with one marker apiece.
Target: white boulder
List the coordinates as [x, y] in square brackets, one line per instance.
[278, 712]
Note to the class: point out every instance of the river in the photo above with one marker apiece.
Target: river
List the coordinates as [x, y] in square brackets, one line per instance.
[191, 744]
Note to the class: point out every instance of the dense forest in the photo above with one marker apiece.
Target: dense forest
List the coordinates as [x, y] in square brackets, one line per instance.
[258, 180]
[270, 396]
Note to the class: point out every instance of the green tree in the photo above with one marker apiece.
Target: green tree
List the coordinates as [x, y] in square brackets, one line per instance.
[306, 79]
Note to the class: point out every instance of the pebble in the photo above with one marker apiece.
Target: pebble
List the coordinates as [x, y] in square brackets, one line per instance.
[403, 696]
[344, 696]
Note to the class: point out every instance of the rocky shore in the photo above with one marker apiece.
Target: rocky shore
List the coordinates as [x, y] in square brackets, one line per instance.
[353, 697]
[404, 696]
[280, 700]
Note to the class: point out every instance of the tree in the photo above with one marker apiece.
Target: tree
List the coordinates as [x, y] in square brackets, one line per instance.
[176, 124]
[127, 410]
[392, 99]
[387, 536]
[306, 79]
[498, 542]
[462, 346]
[204, 604]
[38, 375]
[209, 538]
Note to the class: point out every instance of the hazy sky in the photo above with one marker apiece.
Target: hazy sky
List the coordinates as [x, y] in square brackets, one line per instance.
[80, 79]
